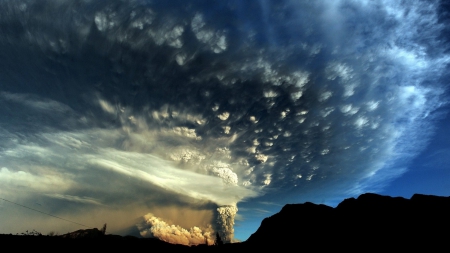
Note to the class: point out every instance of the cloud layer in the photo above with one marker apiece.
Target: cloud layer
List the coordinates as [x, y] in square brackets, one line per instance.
[210, 104]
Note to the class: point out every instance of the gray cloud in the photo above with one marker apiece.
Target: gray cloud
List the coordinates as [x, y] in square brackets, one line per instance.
[180, 103]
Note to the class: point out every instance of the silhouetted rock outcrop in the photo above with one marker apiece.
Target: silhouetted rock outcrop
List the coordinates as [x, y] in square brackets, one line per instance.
[371, 219]
[84, 233]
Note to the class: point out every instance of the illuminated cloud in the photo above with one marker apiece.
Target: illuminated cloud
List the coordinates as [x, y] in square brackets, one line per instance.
[153, 227]
[118, 103]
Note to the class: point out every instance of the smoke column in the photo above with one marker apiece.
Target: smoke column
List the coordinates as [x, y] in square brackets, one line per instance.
[225, 222]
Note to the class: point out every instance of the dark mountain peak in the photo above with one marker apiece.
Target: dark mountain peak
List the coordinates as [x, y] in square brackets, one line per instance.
[289, 208]
[369, 218]
[370, 202]
[430, 198]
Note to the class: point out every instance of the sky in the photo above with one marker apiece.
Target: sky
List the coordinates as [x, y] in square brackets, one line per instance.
[178, 119]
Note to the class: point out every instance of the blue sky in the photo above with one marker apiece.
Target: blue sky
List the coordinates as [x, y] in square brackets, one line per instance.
[428, 173]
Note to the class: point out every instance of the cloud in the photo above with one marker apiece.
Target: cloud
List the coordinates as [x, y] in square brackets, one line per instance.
[85, 200]
[154, 227]
[163, 174]
[225, 222]
[135, 101]
[22, 180]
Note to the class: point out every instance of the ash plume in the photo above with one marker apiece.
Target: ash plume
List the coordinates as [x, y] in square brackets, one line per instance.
[154, 227]
[225, 222]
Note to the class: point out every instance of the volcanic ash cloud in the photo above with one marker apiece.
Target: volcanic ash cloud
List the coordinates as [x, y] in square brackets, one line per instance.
[154, 227]
[225, 222]
[179, 104]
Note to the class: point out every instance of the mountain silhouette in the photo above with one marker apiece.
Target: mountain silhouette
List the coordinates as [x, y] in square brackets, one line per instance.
[370, 222]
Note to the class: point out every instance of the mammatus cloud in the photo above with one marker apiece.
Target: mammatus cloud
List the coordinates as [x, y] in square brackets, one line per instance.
[203, 106]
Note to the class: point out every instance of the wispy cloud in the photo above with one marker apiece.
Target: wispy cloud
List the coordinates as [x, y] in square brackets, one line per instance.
[82, 199]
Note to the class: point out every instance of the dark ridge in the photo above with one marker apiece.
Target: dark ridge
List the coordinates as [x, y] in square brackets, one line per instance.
[367, 223]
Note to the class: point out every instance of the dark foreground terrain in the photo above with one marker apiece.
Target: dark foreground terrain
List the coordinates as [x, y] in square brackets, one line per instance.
[367, 223]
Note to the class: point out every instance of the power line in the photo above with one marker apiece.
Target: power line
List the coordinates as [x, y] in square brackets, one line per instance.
[45, 213]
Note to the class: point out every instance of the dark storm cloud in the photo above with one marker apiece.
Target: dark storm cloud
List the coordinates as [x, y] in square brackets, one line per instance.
[213, 102]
